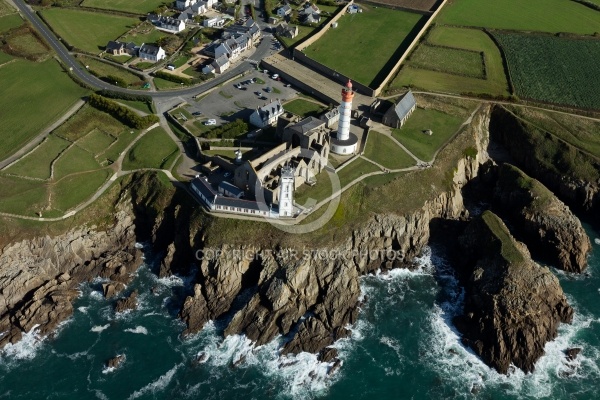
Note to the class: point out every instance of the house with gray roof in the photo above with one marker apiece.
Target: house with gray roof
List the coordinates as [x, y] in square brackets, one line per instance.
[267, 114]
[285, 30]
[117, 48]
[284, 10]
[397, 115]
[151, 53]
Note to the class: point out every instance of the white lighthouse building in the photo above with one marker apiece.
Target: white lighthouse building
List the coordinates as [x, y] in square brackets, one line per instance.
[286, 192]
[345, 142]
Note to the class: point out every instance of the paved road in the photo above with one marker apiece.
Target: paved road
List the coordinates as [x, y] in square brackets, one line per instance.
[261, 51]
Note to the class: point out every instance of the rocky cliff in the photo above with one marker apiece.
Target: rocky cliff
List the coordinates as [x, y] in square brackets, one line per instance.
[513, 306]
[569, 172]
[39, 277]
[538, 218]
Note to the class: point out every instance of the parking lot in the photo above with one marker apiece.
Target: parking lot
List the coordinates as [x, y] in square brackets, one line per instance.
[239, 98]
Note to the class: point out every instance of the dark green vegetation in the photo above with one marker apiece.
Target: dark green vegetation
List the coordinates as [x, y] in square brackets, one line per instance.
[512, 180]
[553, 69]
[531, 15]
[412, 134]
[383, 150]
[304, 108]
[10, 21]
[88, 31]
[356, 169]
[459, 43]
[154, 150]
[24, 42]
[503, 238]
[123, 114]
[230, 130]
[136, 7]
[111, 73]
[365, 46]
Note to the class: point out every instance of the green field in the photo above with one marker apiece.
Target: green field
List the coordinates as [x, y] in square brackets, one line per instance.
[365, 46]
[453, 61]
[303, 31]
[136, 7]
[37, 163]
[75, 189]
[88, 31]
[304, 108]
[10, 21]
[421, 145]
[553, 69]
[531, 15]
[495, 83]
[356, 169]
[96, 141]
[154, 150]
[384, 151]
[74, 160]
[29, 100]
[103, 70]
[138, 105]
[86, 120]
[163, 84]
[145, 33]
[22, 196]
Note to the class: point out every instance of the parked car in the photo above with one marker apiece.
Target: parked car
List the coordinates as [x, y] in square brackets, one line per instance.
[275, 76]
[268, 89]
[171, 67]
[227, 174]
[243, 88]
[258, 93]
[196, 113]
[211, 122]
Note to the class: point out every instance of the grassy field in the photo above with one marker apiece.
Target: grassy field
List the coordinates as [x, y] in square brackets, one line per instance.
[87, 120]
[88, 31]
[531, 15]
[29, 100]
[304, 108]
[421, 145]
[163, 84]
[495, 83]
[22, 195]
[364, 46]
[154, 150]
[453, 61]
[75, 189]
[96, 141]
[384, 151]
[145, 33]
[138, 105]
[320, 191]
[37, 163]
[10, 21]
[355, 169]
[303, 32]
[24, 44]
[74, 160]
[553, 69]
[103, 69]
[136, 7]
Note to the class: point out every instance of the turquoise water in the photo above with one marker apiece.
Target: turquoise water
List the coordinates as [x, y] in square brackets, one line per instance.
[402, 347]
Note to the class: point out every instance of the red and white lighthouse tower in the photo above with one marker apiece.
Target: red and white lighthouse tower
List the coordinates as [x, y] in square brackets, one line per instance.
[343, 132]
[345, 142]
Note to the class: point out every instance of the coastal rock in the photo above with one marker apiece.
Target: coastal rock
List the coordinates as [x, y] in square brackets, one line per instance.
[39, 277]
[115, 362]
[127, 303]
[513, 306]
[548, 227]
[572, 353]
[112, 289]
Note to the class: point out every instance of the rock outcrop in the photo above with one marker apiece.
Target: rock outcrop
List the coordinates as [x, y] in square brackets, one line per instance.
[127, 303]
[538, 218]
[513, 306]
[115, 362]
[39, 277]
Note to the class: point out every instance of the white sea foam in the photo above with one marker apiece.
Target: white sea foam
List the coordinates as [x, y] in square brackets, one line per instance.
[171, 281]
[597, 241]
[158, 385]
[99, 328]
[83, 309]
[138, 329]
[25, 349]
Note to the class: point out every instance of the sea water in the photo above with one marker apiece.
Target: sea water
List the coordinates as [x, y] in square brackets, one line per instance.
[403, 346]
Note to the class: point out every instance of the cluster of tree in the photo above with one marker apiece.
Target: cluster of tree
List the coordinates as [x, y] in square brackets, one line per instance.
[115, 80]
[180, 79]
[121, 113]
[230, 130]
[269, 7]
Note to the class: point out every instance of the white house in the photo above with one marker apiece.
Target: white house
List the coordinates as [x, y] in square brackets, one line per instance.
[218, 66]
[267, 114]
[284, 10]
[183, 4]
[213, 22]
[168, 24]
[151, 53]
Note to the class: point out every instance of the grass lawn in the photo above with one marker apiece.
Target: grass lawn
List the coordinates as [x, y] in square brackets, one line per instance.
[35, 85]
[153, 150]
[74, 160]
[96, 141]
[119, 59]
[75, 189]
[531, 15]
[495, 83]
[113, 152]
[304, 108]
[365, 46]
[37, 163]
[5, 58]
[138, 105]
[145, 33]
[137, 7]
[86, 120]
[421, 145]
[320, 191]
[26, 45]
[303, 31]
[144, 65]
[384, 151]
[180, 61]
[103, 69]
[163, 84]
[553, 69]
[22, 196]
[88, 31]
[10, 21]
[452, 61]
[5, 9]
[355, 169]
